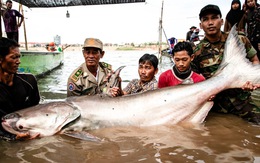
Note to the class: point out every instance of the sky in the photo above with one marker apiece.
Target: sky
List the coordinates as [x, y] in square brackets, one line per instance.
[118, 23]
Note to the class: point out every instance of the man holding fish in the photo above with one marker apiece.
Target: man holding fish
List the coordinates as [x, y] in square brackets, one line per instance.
[209, 55]
[18, 91]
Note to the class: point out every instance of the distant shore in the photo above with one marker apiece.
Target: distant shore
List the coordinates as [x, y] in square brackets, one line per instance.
[106, 48]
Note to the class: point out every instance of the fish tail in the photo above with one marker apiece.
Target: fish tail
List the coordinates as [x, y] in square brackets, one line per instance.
[238, 68]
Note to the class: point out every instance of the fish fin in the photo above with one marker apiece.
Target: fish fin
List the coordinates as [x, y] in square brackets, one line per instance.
[83, 135]
[202, 112]
[113, 81]
[235, 61]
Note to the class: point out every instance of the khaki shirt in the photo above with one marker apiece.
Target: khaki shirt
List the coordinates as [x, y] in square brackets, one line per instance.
[83, 82]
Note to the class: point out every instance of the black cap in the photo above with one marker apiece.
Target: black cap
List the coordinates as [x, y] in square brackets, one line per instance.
[210, 9]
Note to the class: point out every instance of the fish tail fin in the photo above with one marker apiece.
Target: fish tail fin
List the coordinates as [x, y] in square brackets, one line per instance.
[113, 81]
[238, 67]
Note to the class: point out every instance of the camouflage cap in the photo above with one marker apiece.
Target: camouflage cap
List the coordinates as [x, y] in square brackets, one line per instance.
[93, 43]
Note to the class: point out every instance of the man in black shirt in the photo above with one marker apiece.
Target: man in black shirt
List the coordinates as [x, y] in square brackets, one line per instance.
[17, 91]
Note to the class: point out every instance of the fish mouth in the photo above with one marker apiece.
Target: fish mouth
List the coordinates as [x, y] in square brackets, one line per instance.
[9, 123]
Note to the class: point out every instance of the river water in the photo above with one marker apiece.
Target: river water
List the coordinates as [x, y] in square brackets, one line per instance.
[222, 138]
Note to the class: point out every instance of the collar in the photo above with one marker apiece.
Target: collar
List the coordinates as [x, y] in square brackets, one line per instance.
[182, 75]
[87, 73]
[223, 37]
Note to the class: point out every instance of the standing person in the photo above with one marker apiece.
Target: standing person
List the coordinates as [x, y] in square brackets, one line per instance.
[189, 33]
[172, 41]
[234, 15]
[18, 91]
[181, 72]
[147, 69]
[91, 76]
[9, 17]
[250, 23]
[208, 57]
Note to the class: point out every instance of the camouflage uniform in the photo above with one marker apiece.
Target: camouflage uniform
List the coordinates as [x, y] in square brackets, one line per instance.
[82, 82]
[251, 18]
[208, 57]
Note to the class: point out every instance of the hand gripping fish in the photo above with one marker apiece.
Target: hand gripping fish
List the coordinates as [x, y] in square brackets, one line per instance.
[113, 81]
[171, 105]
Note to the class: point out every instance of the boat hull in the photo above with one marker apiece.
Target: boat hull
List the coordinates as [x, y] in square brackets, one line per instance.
[40, 63]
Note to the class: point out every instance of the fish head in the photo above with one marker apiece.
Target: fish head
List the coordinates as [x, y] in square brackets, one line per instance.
[41, 120]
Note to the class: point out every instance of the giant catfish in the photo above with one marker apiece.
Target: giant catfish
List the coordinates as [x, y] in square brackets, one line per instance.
[171, 105]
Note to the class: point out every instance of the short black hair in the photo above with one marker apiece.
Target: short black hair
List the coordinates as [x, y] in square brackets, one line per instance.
[150, 58]
[8, 1]
[180, 46]
[6, 44]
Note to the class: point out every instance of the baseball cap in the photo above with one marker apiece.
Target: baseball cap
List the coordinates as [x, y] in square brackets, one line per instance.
[193, 27]
[210, 9]
[93, 43]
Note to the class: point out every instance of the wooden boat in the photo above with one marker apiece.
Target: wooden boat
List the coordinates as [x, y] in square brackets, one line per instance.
[40, 63]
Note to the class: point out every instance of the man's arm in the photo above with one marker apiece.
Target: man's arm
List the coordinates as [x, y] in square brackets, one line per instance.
[21, 21]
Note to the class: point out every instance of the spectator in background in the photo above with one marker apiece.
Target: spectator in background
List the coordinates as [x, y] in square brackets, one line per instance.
[189, 33]
[172, 42]
[234, 15]
[195, 35]
[51, 46]
[250, 23]
[11, 25]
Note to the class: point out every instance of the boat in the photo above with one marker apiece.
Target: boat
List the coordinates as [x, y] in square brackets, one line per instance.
[40, 63]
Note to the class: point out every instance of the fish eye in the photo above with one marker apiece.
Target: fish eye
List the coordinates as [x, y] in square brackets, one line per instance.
[20, 127]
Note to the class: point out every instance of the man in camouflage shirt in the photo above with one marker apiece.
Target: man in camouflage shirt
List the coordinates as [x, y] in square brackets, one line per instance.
[90, 77]
[209, 55]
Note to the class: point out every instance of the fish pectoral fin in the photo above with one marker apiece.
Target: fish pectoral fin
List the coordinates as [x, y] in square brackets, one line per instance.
[202, 112]
[83, 135]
